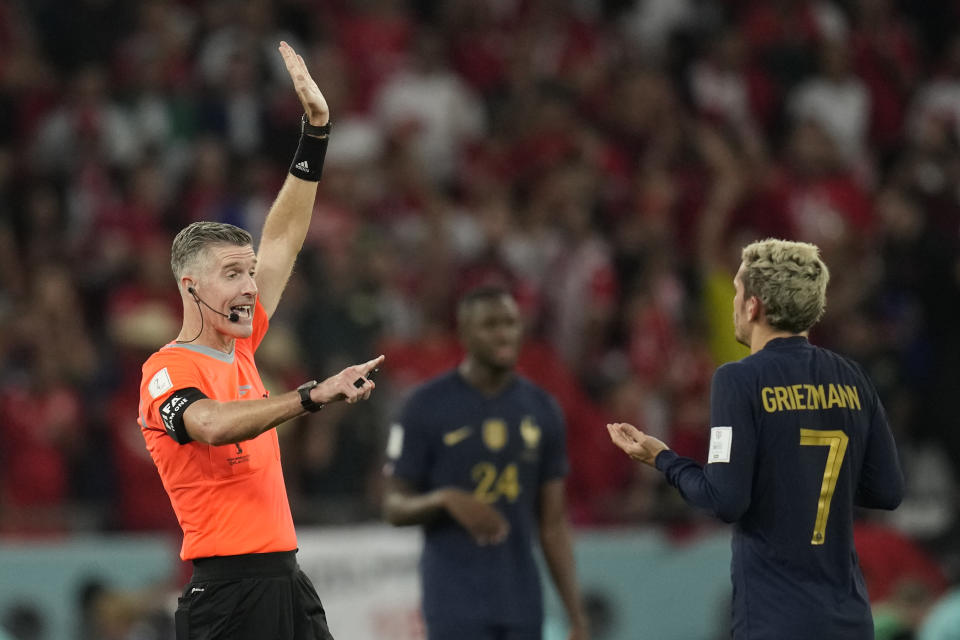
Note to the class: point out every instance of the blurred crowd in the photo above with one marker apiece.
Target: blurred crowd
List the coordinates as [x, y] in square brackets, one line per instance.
[605, 159]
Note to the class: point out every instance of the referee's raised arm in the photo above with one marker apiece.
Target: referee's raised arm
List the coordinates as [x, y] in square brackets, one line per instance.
[286, 225]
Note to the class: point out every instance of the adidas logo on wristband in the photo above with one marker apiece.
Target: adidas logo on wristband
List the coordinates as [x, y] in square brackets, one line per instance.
[307, 163]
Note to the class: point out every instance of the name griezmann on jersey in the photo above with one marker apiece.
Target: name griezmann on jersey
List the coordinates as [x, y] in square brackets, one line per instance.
[810, 397]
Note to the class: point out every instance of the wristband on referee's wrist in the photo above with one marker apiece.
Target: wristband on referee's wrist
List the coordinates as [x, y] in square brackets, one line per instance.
[306, 401]
[308, 161]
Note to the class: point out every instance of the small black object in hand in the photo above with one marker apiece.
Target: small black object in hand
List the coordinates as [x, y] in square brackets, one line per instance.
[359, 381]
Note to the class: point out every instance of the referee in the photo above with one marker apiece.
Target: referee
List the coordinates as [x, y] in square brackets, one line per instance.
[209, 422]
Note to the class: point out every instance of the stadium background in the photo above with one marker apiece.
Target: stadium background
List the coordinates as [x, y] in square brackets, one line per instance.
[604, 159]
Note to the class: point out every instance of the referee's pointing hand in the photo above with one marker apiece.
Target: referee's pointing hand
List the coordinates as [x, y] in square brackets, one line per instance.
[344, 385]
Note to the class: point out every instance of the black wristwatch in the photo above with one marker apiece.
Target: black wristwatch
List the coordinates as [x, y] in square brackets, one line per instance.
[305, 400]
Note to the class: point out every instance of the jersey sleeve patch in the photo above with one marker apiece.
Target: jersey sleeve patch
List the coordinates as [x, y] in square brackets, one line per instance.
[160, 383]
[395, 441]
[172, 410]
[721, 441]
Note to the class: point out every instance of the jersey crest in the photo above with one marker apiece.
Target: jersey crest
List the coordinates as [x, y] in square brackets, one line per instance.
[495, 434]
[530, 432]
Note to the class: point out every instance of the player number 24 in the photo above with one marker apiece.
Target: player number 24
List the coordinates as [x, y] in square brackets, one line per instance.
[492, 484]
[837, 441]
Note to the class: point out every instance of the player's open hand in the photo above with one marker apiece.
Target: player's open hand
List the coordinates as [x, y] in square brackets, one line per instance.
[353, 384]
[485, 524]
[314, 104]
[636, 443]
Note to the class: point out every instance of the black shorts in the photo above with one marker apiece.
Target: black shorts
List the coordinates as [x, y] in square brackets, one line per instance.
[260, 596]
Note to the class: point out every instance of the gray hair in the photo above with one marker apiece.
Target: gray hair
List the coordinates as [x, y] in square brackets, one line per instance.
[191, 243]
[790, 280]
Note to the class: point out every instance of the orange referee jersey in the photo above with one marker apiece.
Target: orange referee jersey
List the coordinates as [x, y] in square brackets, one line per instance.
[229, 499]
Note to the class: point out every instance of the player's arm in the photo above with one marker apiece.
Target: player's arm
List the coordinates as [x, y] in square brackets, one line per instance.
[555, 540]
[402, 506]
[202, 419]
[289, 218]
[724, 486]
[881, 480]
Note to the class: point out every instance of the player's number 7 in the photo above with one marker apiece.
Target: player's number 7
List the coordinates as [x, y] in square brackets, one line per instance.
[837, 441]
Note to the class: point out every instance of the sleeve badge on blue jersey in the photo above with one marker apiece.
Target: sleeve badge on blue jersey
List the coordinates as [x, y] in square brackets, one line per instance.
[721, 441]
[395, 441]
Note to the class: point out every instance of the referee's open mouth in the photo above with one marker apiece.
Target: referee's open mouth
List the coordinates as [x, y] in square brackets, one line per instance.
[243, 310]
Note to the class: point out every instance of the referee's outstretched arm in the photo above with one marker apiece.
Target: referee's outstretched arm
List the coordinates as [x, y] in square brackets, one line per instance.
[217, 423]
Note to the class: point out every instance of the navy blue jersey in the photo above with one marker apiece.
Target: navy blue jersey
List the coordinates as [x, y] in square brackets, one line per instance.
[500, 448]
[798, 437]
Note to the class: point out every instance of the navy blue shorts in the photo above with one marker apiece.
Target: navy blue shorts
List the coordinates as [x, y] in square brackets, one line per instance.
[437, 630]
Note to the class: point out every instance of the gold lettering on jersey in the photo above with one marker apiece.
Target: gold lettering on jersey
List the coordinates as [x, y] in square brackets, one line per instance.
[797, 398]
[530, 432]
[769, 405]
[853, 396]
[783, 399]
[835, 398]
[816, 395]
[808, 397]
[495, 434]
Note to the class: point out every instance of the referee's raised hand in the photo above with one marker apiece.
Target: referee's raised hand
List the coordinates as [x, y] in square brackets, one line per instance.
[314, 104]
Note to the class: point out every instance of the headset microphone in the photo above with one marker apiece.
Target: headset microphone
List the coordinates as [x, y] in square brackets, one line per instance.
[232, 317]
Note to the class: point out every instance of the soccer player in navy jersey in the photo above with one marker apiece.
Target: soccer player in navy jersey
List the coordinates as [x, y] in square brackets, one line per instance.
[798, 438]
[478, 457]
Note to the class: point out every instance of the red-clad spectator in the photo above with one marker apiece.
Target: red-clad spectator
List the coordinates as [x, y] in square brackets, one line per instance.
[787, 28]
[730, 88]
[413, 361]
[813, 198]
[141, 503]
[42, 426]
[376, 39]
[597, 478]
[123, 228]
[885, 57]
[479, 42]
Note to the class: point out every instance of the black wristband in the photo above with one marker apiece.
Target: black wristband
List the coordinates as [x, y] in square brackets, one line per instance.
[308, 162]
